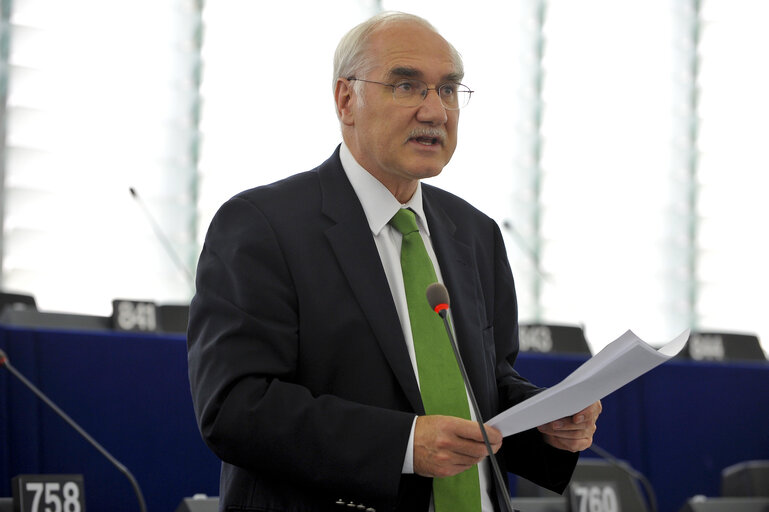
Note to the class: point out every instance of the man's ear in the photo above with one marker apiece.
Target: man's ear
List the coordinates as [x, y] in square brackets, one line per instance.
[344, 101]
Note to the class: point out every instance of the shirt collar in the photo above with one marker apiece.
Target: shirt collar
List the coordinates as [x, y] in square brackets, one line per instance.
[378, 203]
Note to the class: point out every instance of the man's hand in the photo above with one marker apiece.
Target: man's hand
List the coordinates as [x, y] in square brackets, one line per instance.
[574, 433]
[446, 446]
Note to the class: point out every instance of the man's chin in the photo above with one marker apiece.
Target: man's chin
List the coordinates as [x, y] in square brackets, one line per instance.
[427, 169]
[425, 173]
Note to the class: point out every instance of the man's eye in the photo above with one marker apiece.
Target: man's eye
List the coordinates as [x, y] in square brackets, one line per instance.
[448, 90]
[405, 86]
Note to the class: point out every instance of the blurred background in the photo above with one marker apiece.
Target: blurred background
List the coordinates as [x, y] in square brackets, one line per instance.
[620, 144]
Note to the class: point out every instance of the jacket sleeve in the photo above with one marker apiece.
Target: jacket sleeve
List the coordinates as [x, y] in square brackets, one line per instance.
[253, 408]
[525, 454]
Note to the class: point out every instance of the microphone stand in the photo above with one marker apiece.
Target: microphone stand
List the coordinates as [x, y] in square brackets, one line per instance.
[504, 489]
[4, 362]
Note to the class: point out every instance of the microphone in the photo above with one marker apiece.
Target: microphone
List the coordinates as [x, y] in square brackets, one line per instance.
[438, 298]
[626, 468]
[4, 362]
[163, 239]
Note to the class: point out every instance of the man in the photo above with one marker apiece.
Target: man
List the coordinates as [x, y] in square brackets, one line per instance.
[303, 360]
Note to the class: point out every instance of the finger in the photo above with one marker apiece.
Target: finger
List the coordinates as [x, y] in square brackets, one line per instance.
[584, 419]
[470, 431]
[572, 445]
[562, 427]
[473, 448]
[567, 428]
[494, 435]
[440, 448]
[570, 434]
[559, 426]
[589, 413]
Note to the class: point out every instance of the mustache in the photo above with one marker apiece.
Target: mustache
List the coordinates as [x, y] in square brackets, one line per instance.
[428, 133]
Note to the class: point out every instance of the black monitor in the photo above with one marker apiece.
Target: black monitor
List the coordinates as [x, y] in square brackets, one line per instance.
[722, 346]
[17, 301]
[591, 478]
[703, 504]
[199, 504]
[596, 478]
[553, 338]
[746, 479]
[556, 504]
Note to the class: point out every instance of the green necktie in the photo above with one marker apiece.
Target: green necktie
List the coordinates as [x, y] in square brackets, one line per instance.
[440, 381]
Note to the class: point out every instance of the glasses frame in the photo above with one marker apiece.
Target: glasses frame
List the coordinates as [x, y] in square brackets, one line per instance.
[424, 93]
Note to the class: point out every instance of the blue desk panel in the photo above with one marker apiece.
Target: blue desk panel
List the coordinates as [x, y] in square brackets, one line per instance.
[129, 392]
[680, 424]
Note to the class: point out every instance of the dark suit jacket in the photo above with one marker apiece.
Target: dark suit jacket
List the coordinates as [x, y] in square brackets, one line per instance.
[300, 376]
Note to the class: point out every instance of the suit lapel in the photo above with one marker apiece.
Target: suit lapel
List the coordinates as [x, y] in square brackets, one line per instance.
[459, 271]
[362, 266]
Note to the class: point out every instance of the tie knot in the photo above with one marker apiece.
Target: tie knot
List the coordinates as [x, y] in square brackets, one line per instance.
[404, 221]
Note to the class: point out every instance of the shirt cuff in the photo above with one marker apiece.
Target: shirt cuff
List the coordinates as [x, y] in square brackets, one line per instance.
[408, 461]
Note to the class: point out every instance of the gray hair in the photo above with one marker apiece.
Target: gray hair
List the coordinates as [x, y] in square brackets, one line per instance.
[351, 58]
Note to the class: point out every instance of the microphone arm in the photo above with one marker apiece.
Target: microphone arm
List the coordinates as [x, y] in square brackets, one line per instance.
[626, 468]
[163, 239]
[531, 255]
[437, 290]
[4, 362]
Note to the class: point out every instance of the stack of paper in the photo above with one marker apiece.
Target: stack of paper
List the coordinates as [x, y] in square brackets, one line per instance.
[623, 360]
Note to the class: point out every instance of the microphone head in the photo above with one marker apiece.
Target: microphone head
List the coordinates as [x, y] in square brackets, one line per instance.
[3, 357]
[437, 297]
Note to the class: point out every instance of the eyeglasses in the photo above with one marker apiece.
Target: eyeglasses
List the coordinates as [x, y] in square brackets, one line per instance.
[411, 93]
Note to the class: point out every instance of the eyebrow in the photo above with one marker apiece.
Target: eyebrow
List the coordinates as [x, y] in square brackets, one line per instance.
[407, 72]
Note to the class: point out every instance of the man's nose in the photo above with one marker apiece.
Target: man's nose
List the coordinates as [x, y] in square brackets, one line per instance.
[431, 109]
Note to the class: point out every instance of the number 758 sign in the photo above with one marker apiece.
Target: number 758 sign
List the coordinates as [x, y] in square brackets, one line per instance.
[48, 493]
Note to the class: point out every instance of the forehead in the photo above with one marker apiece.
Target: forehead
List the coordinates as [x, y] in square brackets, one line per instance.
[414, 47]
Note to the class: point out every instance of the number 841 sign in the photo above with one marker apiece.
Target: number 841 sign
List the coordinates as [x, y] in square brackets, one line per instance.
[48, 493]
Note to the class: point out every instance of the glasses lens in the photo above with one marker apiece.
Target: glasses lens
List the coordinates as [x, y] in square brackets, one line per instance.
[461, 96]
[409, 92]
[453, 95]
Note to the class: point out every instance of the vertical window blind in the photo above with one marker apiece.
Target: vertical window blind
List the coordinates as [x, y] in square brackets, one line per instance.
[268, 109]
[733, 177]
[618, 143]
[567, 144]
[606, 159]
[101, 97]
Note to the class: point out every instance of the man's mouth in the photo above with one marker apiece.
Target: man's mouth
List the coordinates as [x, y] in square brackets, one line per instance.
[427, 137]
[426, 141]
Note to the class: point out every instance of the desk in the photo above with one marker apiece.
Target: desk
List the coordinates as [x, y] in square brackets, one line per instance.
[129, 391]
[680, 424]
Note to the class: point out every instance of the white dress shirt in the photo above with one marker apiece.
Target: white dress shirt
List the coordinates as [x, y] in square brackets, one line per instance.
[379, 206]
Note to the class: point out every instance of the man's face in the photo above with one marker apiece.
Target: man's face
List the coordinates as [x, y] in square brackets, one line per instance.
[400, 145]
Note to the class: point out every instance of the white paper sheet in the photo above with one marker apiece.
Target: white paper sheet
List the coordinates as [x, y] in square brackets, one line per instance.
[622, 361]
